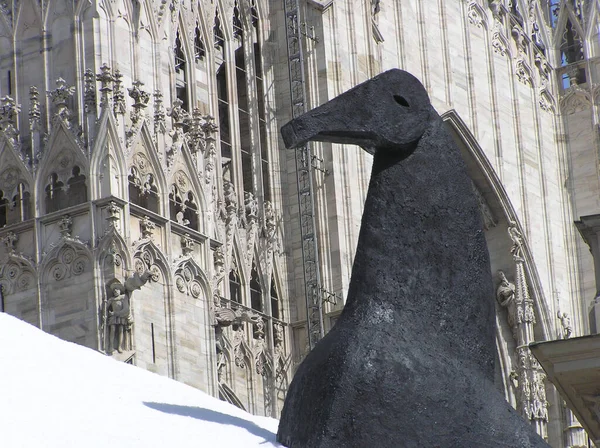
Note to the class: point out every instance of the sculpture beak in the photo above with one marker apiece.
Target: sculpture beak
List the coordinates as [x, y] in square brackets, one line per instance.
[331, 122]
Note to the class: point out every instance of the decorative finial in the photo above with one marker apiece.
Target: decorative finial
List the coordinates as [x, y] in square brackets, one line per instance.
[59, 97]
[106, 79]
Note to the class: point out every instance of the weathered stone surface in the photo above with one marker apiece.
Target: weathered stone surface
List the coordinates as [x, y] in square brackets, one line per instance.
[410, 361]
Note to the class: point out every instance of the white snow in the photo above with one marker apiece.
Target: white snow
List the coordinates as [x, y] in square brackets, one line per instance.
[57, 394]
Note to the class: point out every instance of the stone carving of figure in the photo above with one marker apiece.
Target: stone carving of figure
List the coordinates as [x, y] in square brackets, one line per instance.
[517, 239]
[119, 317]
[505, 294]
[565, 321]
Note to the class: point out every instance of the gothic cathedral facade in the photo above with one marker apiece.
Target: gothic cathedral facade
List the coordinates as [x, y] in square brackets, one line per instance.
[149, 210]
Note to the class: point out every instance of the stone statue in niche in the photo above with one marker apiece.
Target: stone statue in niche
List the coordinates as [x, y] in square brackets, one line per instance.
[505, 294]
[565, 322]
[117, 317]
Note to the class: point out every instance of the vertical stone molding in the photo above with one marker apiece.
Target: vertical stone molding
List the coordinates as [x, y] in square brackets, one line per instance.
[529, 378]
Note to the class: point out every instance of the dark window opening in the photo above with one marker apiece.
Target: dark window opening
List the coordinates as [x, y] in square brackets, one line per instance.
[235, 286]
[199, 48]
[262, 122]
[4, 203]
[255, 290]
[190, 211]
[181, 82]
[143, 192]
[571, 48]
[224, 128]
[17, 209]
[57, 197]
[175, 205]
[253, 14]
[244, 118]
[77, 189]
[238, 29]
[219, 36]
[275, 308]
[183, 208]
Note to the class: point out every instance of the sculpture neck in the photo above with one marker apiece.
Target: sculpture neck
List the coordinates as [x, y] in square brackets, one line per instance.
[422, 255]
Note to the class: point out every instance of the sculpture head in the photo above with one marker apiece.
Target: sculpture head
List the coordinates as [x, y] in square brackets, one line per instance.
[396, 112]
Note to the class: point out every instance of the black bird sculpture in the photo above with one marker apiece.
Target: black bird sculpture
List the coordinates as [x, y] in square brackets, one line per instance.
[410, 362]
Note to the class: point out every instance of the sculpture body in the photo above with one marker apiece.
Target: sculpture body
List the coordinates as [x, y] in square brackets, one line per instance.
[410, 361]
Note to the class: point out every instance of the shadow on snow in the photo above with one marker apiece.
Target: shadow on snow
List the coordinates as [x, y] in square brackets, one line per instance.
[209, 415]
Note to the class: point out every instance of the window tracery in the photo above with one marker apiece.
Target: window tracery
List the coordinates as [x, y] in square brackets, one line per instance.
[59, 196]
[142, 189]
[16, 209]
[571, 52]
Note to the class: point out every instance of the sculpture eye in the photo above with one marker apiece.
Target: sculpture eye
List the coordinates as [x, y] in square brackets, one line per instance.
[401, 100]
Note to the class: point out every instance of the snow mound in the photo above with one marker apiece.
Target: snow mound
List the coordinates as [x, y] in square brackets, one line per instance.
[57, 394]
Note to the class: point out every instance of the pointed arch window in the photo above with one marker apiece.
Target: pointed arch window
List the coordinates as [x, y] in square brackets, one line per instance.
[77, 188]
[16, 209]
[3, 209]
[22, 205]
[223, 99]
[183, 208]
[55, 195]
[255, 290]
[238, 28]
[244, 117]
[571, 48]
[59, 196]
[235, 285]
[181, 81]
[143, 190]
[276, 311]
[571, 52]
[261, 105]
[199, 48]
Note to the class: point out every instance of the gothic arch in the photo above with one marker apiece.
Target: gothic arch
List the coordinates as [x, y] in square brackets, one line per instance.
[148, 255]
[146, 21]
[275, 280]
[190, 279]
[148, 163]
[566, 13]
[17, 274]
[235, 265]
[113, 246]
[188, 182]
[16, 185]
[224, 14]
[58, 165]
[69, 258]
[108, 150]
[480, 166]
[68, 301]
